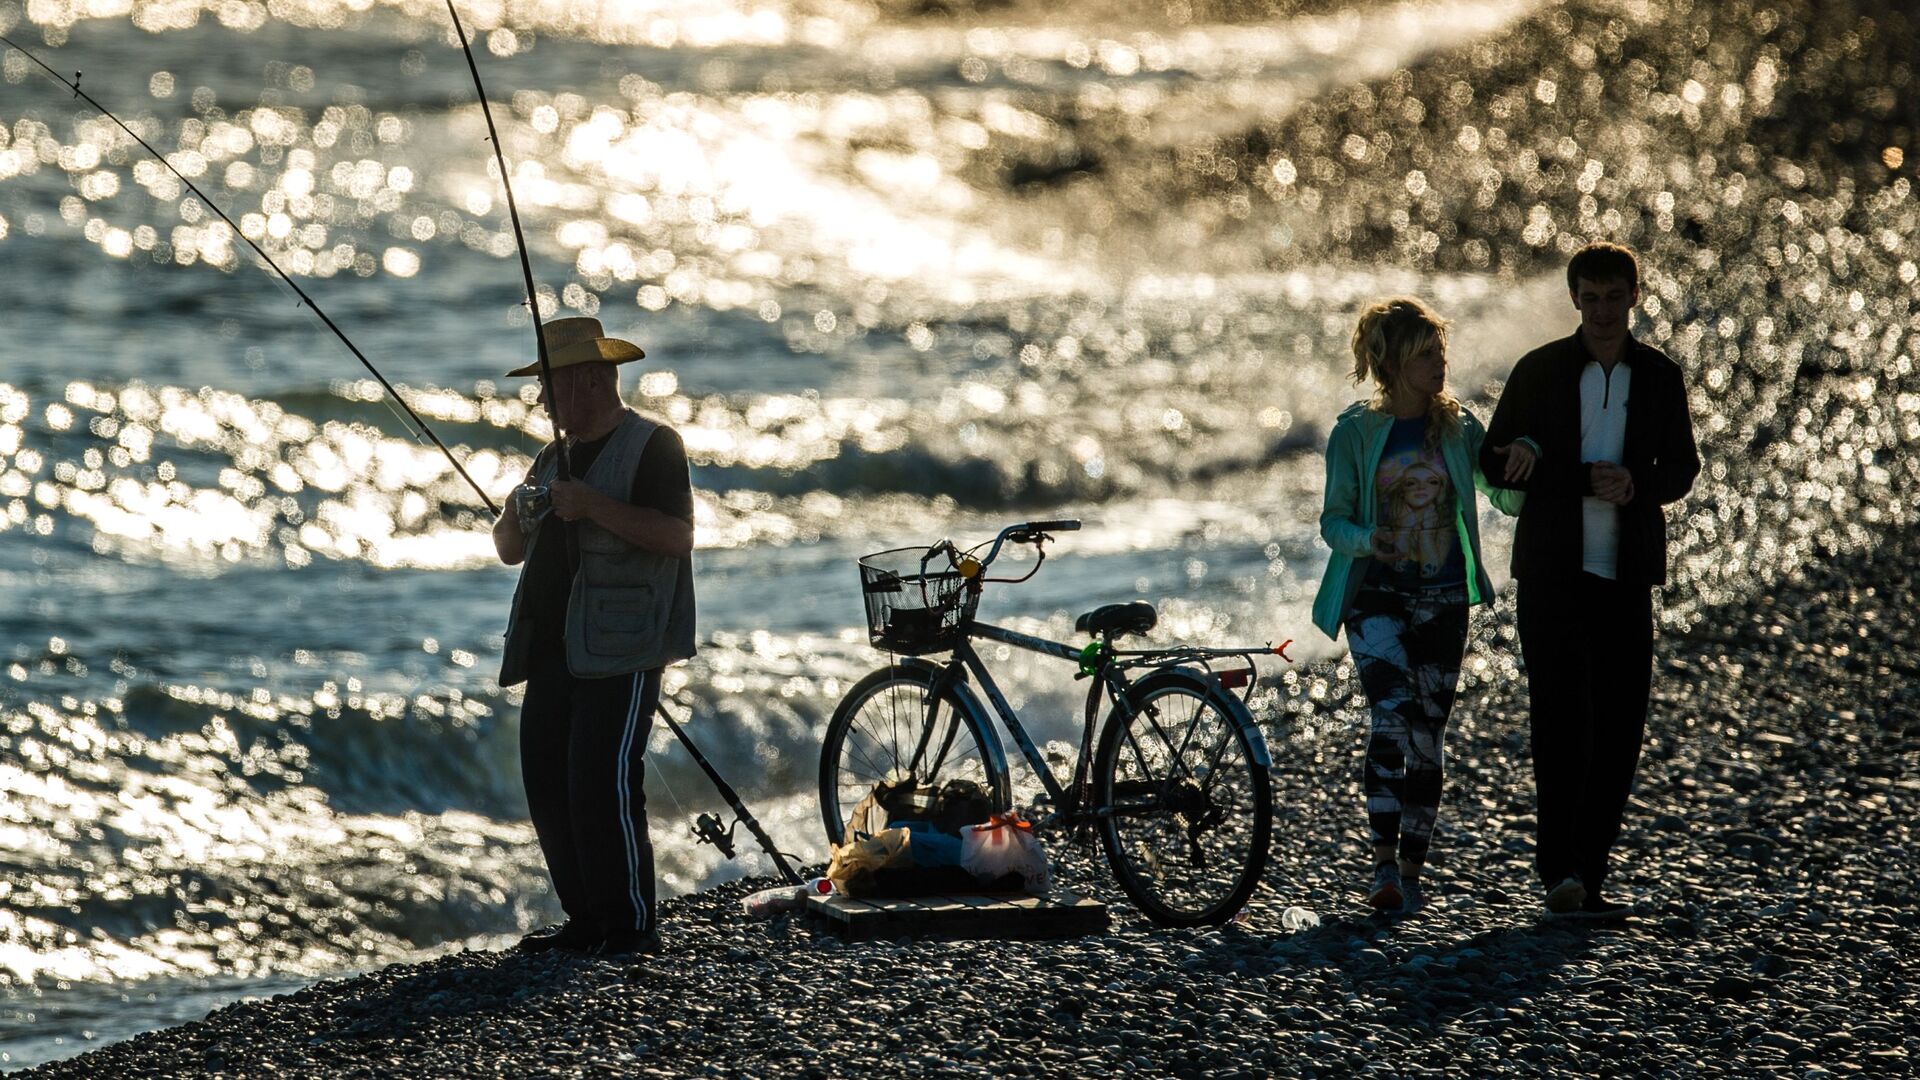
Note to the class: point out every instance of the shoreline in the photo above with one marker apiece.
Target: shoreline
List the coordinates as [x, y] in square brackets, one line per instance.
[1768, 845]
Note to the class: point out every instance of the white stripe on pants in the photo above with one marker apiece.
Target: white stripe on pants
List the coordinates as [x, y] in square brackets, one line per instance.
[623, 792]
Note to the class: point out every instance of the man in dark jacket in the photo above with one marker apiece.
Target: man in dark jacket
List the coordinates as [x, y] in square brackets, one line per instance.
[1595, 429]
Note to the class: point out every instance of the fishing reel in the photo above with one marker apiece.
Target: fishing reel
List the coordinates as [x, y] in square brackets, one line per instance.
[707, 830]
[531, 504]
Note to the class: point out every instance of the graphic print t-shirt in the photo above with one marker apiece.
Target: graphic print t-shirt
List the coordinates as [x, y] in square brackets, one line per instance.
[1414, 511]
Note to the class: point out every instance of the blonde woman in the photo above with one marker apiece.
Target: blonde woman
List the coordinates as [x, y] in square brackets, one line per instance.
[1402, 518]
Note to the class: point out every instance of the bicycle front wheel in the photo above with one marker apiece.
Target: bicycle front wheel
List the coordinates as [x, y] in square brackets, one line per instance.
[1184, 800]
[892, 726]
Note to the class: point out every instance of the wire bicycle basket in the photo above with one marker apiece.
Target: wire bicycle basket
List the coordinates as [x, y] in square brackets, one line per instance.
[913, 608]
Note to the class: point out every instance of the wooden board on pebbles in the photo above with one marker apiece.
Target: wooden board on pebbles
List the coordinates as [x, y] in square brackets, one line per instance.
[1002, 915]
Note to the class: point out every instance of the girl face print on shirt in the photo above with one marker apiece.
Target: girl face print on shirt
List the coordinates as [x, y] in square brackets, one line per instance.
[1415, 504]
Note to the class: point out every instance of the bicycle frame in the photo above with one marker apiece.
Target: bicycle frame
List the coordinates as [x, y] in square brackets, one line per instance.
[1110, 672]
[1166, 769]
[965, 656]
[1109, 669]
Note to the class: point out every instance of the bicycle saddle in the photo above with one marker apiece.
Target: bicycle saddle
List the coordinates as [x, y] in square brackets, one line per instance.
[1119, 619]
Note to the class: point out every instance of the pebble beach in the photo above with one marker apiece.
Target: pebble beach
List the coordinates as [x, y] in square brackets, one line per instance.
[306, 772]
[1769, 852]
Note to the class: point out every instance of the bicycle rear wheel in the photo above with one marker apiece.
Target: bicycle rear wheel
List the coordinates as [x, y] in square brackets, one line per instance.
[1184, 800]
[890, 726]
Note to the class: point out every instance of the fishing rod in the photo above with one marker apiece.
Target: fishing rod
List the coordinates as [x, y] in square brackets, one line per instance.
[707, 828]
[419, 424]
[526, 264]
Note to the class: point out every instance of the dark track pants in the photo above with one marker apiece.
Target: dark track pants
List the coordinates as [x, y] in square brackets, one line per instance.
[582, 747]
[1588, 645]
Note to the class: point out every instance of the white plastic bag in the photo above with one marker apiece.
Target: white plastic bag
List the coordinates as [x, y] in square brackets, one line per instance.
[1005, 845]
[1297, 919]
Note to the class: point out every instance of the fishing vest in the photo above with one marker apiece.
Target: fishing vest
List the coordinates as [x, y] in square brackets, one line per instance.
[629, 609]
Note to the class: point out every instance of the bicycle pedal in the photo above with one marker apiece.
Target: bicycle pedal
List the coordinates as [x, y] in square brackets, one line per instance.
[1042, 823]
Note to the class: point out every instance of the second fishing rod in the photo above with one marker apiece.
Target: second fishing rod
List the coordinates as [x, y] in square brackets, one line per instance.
[743, 816]
[707, 829]
[419, 425]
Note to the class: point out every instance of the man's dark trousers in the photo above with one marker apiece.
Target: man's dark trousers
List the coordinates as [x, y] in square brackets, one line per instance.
[582, 755]
[1588, 646]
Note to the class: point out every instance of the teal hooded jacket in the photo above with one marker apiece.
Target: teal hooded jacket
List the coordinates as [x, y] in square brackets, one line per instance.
[1347, 520]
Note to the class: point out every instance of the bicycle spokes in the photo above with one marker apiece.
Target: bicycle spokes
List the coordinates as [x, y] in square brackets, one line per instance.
[948, 726]
[914, 723]
[1185, 814]
[895, 727]
[1180, 765]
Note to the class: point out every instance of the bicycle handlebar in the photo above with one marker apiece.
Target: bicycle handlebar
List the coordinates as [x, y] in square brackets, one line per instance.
[1026, 533]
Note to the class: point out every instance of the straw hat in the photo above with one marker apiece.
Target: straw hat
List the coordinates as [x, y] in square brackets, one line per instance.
[581, 341]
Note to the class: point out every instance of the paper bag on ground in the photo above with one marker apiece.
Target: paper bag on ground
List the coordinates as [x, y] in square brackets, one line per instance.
[854, 864]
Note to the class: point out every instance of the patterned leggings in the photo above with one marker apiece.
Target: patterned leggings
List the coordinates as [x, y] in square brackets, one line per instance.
[1407, 645]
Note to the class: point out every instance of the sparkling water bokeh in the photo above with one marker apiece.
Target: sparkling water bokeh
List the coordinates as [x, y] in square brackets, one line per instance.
[902, 272]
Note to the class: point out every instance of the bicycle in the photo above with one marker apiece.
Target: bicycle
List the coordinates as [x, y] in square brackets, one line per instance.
[1178, 787]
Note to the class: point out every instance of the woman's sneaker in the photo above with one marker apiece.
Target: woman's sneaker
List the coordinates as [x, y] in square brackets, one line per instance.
[1566, 897]
[1387, 894]
[1410, 884]
[1594, 909]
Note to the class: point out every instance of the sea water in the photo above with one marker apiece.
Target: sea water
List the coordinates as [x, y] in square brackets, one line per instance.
[900, 274]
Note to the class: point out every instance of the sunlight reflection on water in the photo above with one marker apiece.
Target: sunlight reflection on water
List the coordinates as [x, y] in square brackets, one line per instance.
[898, 277]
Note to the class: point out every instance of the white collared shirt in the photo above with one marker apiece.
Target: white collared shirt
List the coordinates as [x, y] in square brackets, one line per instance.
[1603, 437]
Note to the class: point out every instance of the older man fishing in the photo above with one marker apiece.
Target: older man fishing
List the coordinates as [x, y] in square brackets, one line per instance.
[605, 601]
